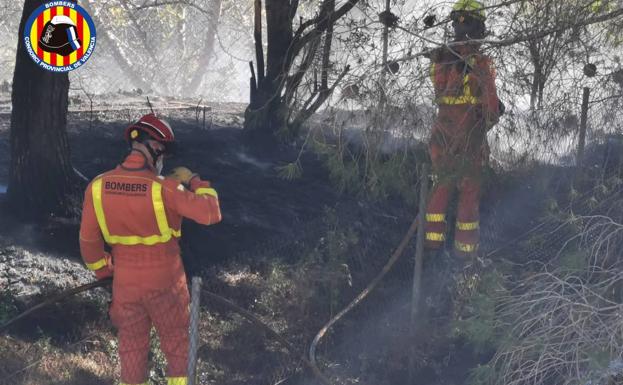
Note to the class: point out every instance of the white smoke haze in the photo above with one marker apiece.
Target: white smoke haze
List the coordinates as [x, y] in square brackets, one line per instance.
[200, 51]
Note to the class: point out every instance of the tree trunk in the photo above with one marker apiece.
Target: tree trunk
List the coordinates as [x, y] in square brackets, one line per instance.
[267, 112]
[383, 95]
[41, 175]
[536, 76]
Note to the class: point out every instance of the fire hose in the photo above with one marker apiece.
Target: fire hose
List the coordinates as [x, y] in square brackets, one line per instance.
[215, 297]
[371, 286]
[418, 221]
[310, 363]
[57, 298]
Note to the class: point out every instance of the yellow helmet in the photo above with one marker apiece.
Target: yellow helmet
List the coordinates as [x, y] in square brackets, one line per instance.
[474, 7]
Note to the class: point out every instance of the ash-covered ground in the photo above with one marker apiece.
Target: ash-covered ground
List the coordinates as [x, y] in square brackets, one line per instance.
[294, 252]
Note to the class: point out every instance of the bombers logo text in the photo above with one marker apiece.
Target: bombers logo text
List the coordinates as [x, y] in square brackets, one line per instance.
[59, 36]
[126, 187]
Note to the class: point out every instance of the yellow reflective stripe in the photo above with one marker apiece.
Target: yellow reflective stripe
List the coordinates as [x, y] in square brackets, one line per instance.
[466, 98]
[177, 380]
[452, 100]
[436, 237]
[99, 209]
[467, 90]
[161, 216]
[470, 6]
[465, 247]
[129, 240]
[466, 226]
[97, 265]
[435, 217]
[206, 191]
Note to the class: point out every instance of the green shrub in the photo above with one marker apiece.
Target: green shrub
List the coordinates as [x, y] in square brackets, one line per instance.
[479, 323]
[482, 375]
[369, 172]
[315, 280]
[573, 261]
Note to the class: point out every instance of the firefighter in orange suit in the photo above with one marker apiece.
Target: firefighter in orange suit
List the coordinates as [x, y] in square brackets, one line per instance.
[468, 106]
[138, 213]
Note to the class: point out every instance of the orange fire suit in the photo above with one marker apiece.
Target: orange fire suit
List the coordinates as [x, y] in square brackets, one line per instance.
[468, 106]
[139, 215]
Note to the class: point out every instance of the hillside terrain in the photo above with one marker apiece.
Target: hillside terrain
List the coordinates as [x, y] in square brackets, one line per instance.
[294, 252]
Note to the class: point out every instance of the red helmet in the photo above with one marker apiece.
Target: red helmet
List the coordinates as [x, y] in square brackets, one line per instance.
[151, 127]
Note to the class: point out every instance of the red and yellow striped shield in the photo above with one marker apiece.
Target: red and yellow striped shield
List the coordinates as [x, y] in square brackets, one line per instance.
[72, 32]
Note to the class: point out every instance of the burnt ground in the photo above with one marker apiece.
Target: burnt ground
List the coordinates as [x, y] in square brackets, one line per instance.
[263, 217]
[268, 219]
[257, 204]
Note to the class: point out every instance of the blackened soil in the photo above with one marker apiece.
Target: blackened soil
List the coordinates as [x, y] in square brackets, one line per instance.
[258, 206]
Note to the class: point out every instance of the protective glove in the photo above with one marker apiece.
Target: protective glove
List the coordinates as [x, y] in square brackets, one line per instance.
[198, 183]
[182, 174]
[106, 271]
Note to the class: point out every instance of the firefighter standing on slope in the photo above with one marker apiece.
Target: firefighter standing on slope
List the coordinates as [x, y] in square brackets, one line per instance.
[468, 107]
[138, 213]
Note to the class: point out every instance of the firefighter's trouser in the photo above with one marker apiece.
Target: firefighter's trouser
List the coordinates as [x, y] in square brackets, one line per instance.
[134, 311]
[451, 176]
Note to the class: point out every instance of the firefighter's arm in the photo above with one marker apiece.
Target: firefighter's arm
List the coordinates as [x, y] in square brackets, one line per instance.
[91, 242]
[200, 203]
[491, 104]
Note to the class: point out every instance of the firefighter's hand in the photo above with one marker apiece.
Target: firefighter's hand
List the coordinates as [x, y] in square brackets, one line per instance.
[106, 271]
[182, 174]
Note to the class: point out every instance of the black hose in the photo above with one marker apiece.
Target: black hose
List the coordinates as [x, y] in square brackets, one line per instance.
[58, 297]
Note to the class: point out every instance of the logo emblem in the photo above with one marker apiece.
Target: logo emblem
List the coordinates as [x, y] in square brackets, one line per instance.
[59, 36]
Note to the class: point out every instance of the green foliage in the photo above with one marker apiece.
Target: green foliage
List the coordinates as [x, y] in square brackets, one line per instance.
[333, 253]
[573, 261]
[551, 205]
[537, 241]
[599, 359]
[394, 175]
[482, 375]
[314, 284]
[339, 239]
[279, 285]
[367, 171]
[343, 173]
[480, 326]
[290, 171]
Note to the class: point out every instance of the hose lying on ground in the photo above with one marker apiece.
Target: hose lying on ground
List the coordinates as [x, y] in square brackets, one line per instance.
[390, 263]
[244, 313]
[58, 297]
[257, 322]
[311, 362]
